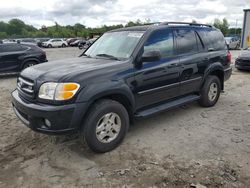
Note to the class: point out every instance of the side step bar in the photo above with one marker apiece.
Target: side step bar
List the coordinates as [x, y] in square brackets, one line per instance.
[167, 106]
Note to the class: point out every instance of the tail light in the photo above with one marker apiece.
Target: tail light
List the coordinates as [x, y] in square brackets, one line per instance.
[44, 55]
[229, 57]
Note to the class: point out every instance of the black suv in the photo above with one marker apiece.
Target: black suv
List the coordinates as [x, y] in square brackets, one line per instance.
[127, 73]
[15, 57]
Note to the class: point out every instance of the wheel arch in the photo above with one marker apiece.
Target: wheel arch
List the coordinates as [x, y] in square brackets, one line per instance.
[33, 59]
[122, 95]
[217, 70]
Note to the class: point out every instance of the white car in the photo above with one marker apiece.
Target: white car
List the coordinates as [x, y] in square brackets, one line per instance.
[233, 43]
[55, 43]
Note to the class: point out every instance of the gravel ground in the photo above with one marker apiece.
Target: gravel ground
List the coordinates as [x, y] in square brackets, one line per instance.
[186, 147]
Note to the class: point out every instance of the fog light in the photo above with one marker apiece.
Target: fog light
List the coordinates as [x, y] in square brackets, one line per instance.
[47, 122]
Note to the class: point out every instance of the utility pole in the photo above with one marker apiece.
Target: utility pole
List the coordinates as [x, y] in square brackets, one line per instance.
[236, 26]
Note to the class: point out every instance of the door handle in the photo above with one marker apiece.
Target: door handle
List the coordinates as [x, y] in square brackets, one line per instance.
[173, 65]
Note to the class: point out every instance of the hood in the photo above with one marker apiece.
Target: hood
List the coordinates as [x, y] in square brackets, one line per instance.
[245, 55]
[69, 69]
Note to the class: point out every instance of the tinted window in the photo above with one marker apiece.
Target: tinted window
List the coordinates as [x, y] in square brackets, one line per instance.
[186, 41]
[10, 48]
[161, 40]
[214, 39]
[23, 48]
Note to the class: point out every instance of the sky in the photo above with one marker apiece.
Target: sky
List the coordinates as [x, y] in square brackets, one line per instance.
[95, 13]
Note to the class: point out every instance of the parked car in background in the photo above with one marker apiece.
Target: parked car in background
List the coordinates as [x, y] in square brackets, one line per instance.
[81, 44]
[54, 43]
[71, 40]
[233, 43]
[40, 41]
[26, 40]
[243, 61]
[75, 43]
[15, 57]
[1, 42]
[87, 43]
[127, 73]
[8, 40]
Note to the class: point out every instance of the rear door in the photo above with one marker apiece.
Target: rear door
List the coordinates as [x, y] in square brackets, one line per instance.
[159, 80]
[192, 55]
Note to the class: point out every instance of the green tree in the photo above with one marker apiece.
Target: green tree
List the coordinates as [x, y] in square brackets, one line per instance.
[3, 35]
[222, 25]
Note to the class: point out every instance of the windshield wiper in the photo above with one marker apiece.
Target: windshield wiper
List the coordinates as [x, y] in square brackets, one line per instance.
[108, 56]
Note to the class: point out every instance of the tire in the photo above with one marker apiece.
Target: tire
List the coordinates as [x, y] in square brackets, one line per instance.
[98, 117]
[63, 45]
[49, 46]
[237, 47]
[210, 91]
[28, 64]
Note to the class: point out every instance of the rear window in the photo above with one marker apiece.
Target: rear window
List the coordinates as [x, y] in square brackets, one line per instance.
[213, 39]
[12, 48]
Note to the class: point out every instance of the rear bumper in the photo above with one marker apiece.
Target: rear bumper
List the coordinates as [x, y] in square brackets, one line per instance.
[63, 119]
[228, 73]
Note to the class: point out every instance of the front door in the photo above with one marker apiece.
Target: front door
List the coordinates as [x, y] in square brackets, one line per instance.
[159, 80]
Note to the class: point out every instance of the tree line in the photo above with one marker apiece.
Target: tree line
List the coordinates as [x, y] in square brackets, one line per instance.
[16, 28]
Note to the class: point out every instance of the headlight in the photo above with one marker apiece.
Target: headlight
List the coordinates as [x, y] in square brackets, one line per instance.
[58, 91]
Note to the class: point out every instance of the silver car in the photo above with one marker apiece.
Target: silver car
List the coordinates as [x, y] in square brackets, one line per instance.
[233, 42]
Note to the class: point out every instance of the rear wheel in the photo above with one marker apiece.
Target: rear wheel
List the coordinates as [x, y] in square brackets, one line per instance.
[210, 91]
[105, 126]
[28, 64]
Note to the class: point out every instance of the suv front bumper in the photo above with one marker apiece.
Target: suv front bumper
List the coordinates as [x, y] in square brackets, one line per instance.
[49, 119]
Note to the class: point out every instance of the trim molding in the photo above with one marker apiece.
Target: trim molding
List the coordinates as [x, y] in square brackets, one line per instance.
[169, 85]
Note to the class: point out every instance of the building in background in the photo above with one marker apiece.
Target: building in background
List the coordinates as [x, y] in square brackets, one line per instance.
[245, 37]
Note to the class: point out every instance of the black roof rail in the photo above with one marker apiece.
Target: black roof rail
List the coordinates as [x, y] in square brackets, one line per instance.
[186, 23]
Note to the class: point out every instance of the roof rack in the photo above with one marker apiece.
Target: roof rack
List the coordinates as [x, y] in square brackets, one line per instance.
[185, 23]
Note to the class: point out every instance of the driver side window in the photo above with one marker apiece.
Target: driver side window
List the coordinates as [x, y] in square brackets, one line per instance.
[161, 40]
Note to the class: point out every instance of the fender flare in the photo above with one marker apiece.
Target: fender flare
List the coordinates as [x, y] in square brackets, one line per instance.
[29, 59]
[93, 92]
[215, 67]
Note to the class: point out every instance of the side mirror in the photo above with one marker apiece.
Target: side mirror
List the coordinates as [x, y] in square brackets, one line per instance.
[149, 56]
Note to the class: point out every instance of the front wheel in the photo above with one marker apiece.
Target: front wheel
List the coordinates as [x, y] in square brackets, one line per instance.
[210, 91]
[28, 64]
[106, 125]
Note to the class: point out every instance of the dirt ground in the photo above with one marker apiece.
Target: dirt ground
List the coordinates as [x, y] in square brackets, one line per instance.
[190, 146]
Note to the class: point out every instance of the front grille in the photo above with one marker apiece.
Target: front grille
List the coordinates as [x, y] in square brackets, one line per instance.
[25, 87]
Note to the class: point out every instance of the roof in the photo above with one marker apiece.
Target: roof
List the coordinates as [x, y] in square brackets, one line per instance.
[162, 24]
[134, 28]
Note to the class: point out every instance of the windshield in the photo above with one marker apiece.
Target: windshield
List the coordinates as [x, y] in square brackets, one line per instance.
[118, 45]
[228, 39]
